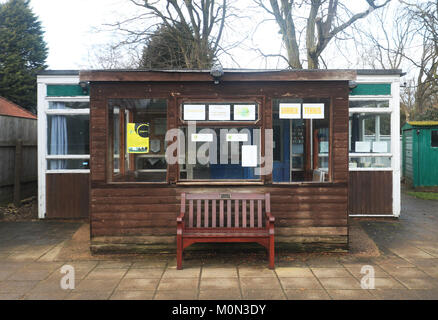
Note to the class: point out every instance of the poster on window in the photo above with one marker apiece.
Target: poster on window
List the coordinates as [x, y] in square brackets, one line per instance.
[194, 112]
[245, 112]
[137, 138]
[313, 111]
[249, 156]
[219, 112]
[290, 110]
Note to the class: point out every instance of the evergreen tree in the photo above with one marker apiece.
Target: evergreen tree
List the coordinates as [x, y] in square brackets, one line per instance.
[23, 53]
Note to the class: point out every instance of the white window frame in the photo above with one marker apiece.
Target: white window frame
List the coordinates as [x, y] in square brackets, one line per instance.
[394, 111]
[43, 111]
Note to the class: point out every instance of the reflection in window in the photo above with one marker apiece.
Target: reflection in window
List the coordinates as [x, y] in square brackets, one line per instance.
[369, 104]
[370, 162]
[68, 164]
[370, 133]
[68, 105]
[301, 145]
[137, 139]
[434, 140]
[220, 154]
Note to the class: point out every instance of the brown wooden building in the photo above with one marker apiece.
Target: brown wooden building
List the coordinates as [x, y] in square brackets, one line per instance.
[134, 196]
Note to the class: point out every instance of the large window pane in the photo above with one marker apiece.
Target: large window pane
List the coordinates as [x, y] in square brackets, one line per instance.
[136, 139]
[301, 140]
[68, 134]
[221, 154]
[370, 133]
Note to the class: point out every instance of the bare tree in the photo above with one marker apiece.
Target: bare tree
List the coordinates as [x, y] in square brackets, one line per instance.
[196, 26]
[323, 23]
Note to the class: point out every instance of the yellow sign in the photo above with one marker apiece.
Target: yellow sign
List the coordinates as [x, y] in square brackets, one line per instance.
[290, 110]
[137, 138]
[313, 111]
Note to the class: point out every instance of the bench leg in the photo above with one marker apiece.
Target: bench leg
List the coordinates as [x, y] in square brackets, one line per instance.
[271, 252]
[179, 252]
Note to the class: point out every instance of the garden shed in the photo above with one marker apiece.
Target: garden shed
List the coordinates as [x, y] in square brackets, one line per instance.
[420, 153]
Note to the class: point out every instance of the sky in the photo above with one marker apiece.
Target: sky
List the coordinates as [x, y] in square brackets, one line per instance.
[72, 34]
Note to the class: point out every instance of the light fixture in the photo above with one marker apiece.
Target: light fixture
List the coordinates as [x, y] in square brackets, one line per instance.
[217, 72]
[352, 85]
[85, 86]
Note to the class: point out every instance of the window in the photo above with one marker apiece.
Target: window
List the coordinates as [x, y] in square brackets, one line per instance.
[434, 140]
[137, 139]
[68, 145]
[301, 129]
[226, 151]
[370, 134]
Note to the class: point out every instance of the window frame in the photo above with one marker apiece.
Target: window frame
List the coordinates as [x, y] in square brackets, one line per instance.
[232, 100]
[110, 172]
[372, 111]
[330, 158]
[64, 112]
[431, 137]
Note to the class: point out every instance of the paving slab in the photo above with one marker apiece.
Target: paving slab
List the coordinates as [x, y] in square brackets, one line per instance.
[307, 294]
[176, 295]
[331, 272]
[106, 273]
[265, 294]
[255, 271]
[193, 272]
[345, 283]
[349, 294]
[294, 272]
[154, 273]
[137, 284]
[221, 294]
[300, 283]
[133, 295]
[259, 284]
[219, 284]
[218, 272]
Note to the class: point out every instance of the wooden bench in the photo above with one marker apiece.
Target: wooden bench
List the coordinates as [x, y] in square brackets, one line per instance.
[224, 218]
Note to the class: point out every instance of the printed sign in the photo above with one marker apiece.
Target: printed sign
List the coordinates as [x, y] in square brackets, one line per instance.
[290, 110]
[363, 146]
[380, 146]
[194, 112]
[237, 137]
[137, 138]
[249, 156]
[219, 112]
[313, 110]
[245, 112]
[202, 137]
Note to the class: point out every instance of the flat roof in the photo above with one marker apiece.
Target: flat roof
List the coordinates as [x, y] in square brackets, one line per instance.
[229, 75]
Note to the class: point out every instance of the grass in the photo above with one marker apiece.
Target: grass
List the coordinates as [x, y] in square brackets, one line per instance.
[424, 195]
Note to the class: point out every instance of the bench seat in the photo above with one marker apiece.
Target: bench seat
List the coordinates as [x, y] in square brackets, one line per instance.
[232, 222]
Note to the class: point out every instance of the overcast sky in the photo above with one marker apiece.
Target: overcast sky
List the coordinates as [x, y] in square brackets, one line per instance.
[70, 31]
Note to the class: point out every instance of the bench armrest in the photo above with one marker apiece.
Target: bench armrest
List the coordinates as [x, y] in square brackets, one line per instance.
[270, 217]
[180, 218]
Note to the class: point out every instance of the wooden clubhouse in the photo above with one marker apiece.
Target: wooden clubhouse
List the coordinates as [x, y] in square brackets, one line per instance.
[324, 145]
[135, 198]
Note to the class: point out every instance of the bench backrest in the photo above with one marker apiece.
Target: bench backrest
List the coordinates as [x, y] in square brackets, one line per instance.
[225, 210]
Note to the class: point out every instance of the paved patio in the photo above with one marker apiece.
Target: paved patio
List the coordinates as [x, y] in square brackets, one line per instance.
[406, 269]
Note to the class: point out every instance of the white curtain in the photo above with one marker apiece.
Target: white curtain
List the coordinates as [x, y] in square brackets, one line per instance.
[58, 137]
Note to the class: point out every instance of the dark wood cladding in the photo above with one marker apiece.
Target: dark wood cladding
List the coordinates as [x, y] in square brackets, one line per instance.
[126, 215]
[370, 192]
[67, 195]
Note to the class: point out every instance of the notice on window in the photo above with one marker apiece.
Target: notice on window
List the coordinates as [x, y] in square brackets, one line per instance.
[290, 110]
[245, 112]
[313, 111]
[137, 138]
[194, 112]
[363, 146]
[237, 137]
[380, 146]
[324, 147]
[249, 156]
[218, 112]
[202, 137]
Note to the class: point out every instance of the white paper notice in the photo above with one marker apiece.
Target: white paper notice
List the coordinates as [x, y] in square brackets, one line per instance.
[290, 110]
[194, 112]
[363, 146]
[219, 112]
[202, 137]
[324, 147]
[245, 112]
[313, 111]
[380, 146]
[249, 156]
[237, 137]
